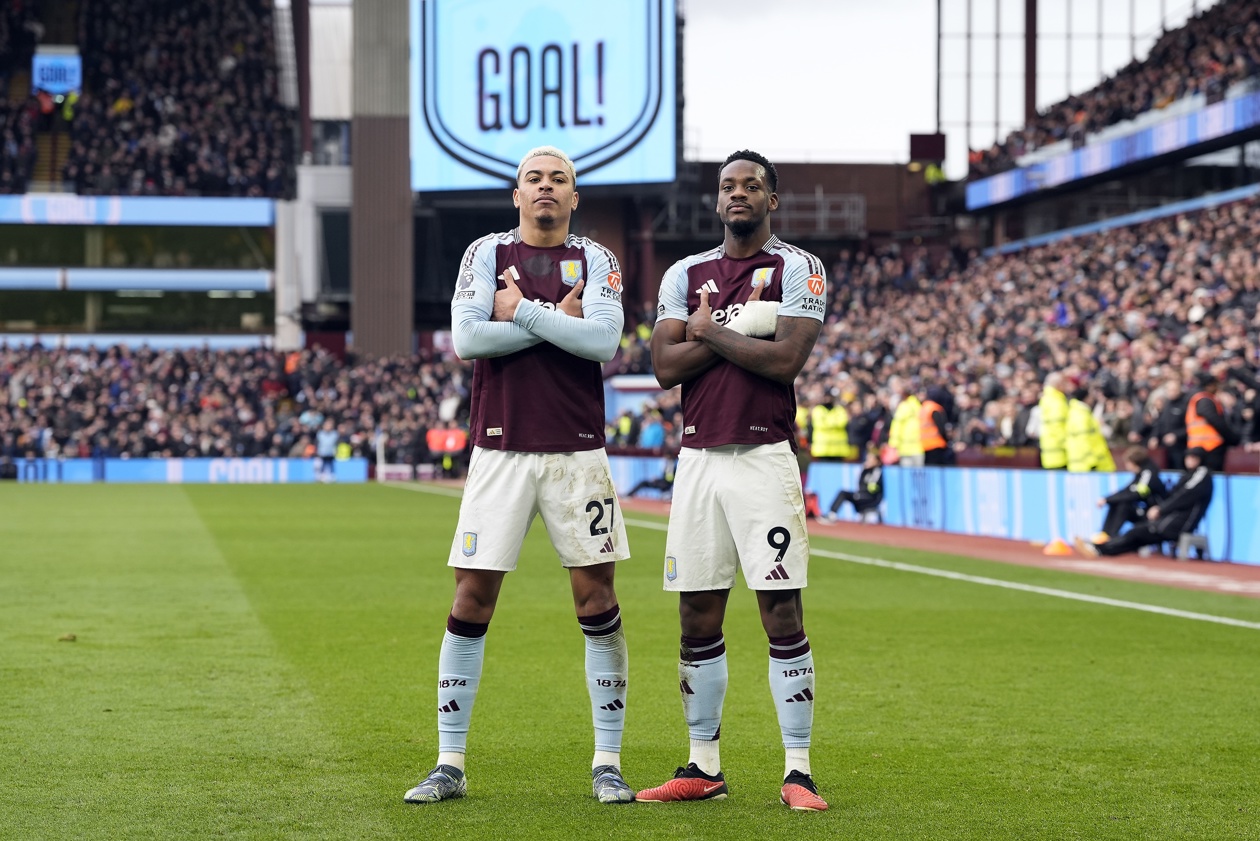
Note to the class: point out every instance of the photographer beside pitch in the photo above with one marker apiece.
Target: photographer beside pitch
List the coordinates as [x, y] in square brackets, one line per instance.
[537, 423]
[737, 495]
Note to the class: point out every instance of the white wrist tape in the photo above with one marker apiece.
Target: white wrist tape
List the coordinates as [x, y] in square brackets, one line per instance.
[757, 319]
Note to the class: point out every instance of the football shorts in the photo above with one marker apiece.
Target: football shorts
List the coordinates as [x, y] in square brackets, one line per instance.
[505, 490]
[737, 506]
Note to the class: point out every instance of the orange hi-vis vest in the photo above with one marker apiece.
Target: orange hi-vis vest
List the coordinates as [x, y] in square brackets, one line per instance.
[929, 434]
[1200, 433]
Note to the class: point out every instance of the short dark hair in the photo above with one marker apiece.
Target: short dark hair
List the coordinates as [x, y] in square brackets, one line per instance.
[772, 174]
[1137, 454]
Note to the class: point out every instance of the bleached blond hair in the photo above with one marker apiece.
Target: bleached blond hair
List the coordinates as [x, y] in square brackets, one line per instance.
[550, 151]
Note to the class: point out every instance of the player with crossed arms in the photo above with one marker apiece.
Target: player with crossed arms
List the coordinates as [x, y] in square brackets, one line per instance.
[539, 310]
[735, 326]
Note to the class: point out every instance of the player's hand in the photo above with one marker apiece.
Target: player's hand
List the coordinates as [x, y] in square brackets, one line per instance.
[700, 320]
[758, 287]
[508, 299]
[1101, 502]
[571, 304]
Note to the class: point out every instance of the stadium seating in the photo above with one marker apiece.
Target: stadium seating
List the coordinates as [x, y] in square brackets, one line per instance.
[18, 110]
[1123, 311]
[1213, 51]
[180, 99]
[137, 403]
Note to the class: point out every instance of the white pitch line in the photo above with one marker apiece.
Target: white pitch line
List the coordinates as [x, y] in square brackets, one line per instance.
[438, 490]
[939, 573]
[1007, 585]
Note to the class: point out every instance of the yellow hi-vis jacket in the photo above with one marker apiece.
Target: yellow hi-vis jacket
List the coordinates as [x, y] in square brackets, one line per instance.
[1054, 412]
[903, 430]
[1086, 447]
[831, 432]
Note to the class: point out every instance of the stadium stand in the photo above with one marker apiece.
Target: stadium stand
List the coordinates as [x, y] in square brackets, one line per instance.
[1213, 51]
[180, 98]
[19, 111]
[137, 403]
[1123, 311]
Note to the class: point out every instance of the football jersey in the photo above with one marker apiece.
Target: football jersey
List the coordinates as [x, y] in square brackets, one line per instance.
[728, 404]
[538, 398]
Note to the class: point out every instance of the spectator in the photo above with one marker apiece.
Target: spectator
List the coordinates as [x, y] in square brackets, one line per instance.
[326, 441]
[1206, 427]
[868, 495]
[663, 484]
[1130, 503]
[137, 403]
[1180, 512]
[1087, 448]
[180, 99]
[1212, 51]
[1169, 430]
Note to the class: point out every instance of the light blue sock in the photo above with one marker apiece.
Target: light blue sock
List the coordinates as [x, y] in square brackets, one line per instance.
[459, 674]
[792, 684]
[607, 674]
[702, 679]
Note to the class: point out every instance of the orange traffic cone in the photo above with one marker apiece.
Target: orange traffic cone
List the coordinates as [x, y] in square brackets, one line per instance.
[1058, 546]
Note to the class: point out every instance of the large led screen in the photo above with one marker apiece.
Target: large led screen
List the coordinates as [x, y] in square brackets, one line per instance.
[492, 79]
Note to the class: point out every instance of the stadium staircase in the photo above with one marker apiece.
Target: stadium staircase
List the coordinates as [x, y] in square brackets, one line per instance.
[61, 21]
[19, 85]
[52, 148]
[286, 56]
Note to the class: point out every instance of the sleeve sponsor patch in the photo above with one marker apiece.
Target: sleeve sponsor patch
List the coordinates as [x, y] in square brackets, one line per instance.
[614, 281]
[817, 286]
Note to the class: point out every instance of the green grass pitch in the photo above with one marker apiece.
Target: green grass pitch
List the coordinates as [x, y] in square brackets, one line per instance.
[259, 663]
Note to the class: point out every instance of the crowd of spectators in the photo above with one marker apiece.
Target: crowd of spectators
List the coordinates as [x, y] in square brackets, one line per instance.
[180, 98]
[140, 403]
[1132, 314]
[19, 32]
[1215, 49]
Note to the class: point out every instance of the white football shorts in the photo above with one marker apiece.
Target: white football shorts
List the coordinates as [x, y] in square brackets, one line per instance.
[573, 492]
[737, 506]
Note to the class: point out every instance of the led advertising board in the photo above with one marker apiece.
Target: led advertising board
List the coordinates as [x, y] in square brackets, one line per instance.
[56, 72]
[492, 79]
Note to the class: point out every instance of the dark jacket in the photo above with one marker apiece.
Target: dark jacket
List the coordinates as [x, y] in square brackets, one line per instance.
[1146, 488]
[1187, 502]
[871, 484]
[1172, 419]
[1207, 410]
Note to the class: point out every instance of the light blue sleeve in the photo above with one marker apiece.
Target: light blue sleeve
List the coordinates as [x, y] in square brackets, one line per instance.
[597, 334]
[474, 335]
[672, 301]
[804, 287]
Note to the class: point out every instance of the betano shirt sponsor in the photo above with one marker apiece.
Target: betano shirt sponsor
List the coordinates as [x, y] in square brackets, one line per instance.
[727, 404]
